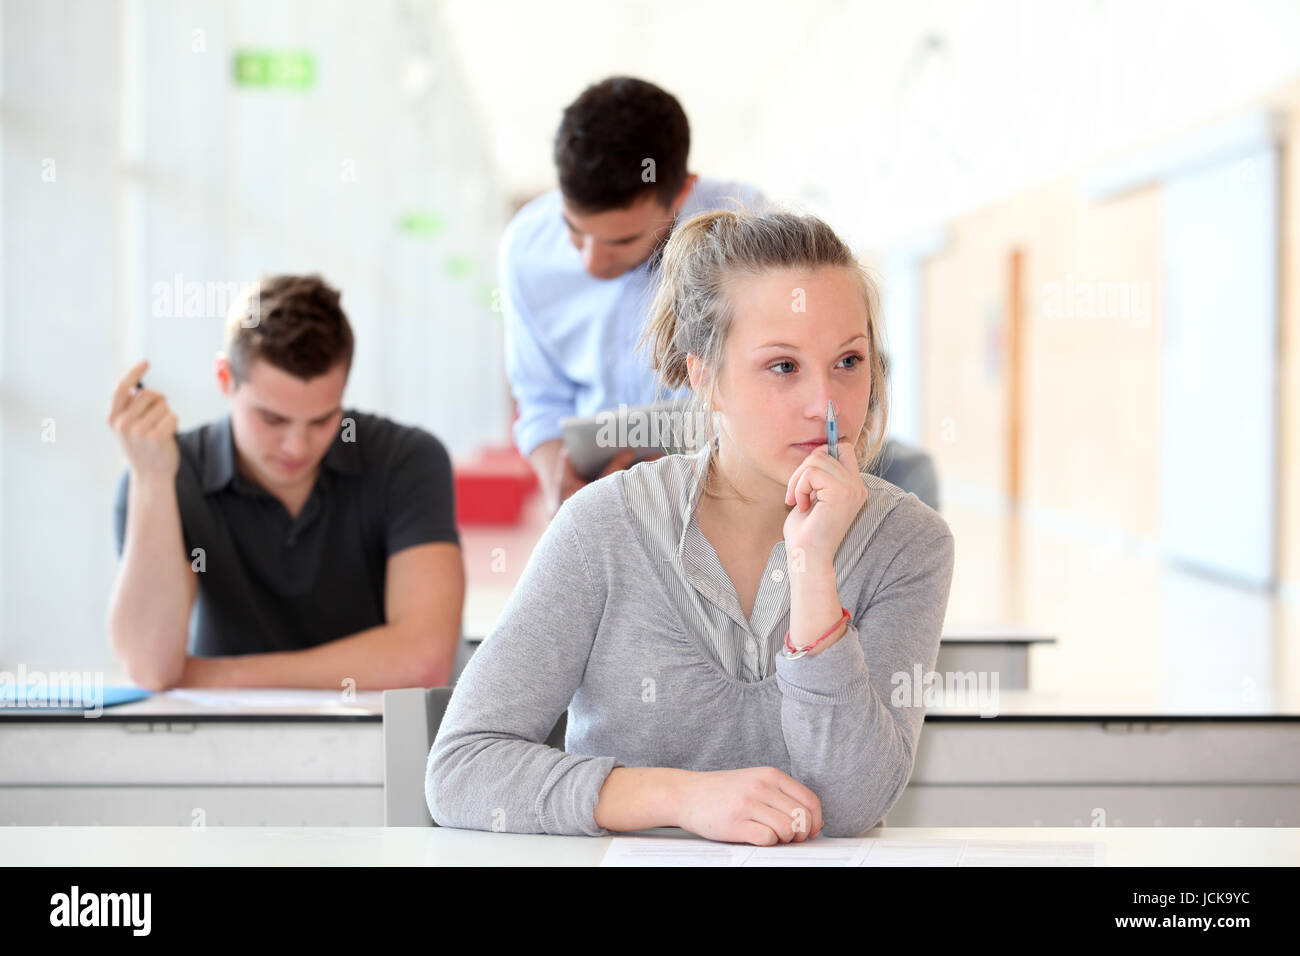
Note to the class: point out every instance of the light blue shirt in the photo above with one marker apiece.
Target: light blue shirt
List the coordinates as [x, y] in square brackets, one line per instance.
[571, 339]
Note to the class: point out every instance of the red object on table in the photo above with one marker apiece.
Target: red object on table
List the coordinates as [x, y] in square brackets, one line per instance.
[492, 487]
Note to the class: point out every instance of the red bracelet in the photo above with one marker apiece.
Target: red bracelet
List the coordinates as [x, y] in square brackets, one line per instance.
[792, 654]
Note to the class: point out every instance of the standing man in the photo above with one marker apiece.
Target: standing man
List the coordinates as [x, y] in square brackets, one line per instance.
[577, 265]
[290, 543]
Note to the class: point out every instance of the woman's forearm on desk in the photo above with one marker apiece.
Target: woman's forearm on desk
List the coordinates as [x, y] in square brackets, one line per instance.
[149, 611]
[638, 798]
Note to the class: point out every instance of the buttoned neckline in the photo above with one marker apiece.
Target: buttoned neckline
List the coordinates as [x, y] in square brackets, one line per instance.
[703, 568]
[220, 471]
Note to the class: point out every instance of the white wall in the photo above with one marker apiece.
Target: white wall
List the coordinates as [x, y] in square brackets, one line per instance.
[842, 104]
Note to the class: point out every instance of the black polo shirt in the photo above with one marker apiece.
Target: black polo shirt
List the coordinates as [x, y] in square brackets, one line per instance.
[274, 583]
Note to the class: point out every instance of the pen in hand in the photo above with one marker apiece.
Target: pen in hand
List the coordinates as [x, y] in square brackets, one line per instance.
[832, 432]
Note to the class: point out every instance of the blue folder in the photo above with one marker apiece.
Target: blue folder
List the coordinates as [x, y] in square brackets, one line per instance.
[43, 697]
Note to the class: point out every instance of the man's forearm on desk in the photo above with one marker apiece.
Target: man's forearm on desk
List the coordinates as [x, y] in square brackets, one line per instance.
[389, 656]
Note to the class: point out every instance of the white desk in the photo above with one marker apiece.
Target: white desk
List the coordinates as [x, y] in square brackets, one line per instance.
[438, 846]
[1049, 760]
[1119, 760]
[171, 762]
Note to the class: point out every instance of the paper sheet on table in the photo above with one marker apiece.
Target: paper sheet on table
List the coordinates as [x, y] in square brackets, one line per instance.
[260, 697]
[878, 852]
[849, 851]
[693, 851]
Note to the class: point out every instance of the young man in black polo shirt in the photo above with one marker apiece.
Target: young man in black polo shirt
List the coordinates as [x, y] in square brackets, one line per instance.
[292, 543]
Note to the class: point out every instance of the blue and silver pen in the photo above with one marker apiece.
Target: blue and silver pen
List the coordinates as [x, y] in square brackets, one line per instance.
[832, 432]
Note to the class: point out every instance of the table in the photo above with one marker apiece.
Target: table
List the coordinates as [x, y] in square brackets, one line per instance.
[169, 760]
[1040, 759]
[441, 846]
[1077, 759]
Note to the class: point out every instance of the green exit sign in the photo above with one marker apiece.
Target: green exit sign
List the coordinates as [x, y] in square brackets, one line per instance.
[275, 69]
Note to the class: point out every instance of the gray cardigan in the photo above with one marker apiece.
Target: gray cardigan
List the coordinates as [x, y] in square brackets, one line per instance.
[591, 627]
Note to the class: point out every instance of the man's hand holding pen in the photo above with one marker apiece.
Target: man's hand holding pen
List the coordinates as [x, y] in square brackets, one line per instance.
[146, 427]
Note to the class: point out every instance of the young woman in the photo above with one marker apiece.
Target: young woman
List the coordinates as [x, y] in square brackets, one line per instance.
[733, 632]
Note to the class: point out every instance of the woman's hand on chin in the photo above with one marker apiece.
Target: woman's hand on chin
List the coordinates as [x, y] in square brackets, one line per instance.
[827, 495]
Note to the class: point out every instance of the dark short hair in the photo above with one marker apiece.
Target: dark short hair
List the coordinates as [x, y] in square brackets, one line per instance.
[606, 136]
[294, 323]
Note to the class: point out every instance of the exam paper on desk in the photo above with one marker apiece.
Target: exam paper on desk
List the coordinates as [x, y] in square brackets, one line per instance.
[260, 697]
[849, 851]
